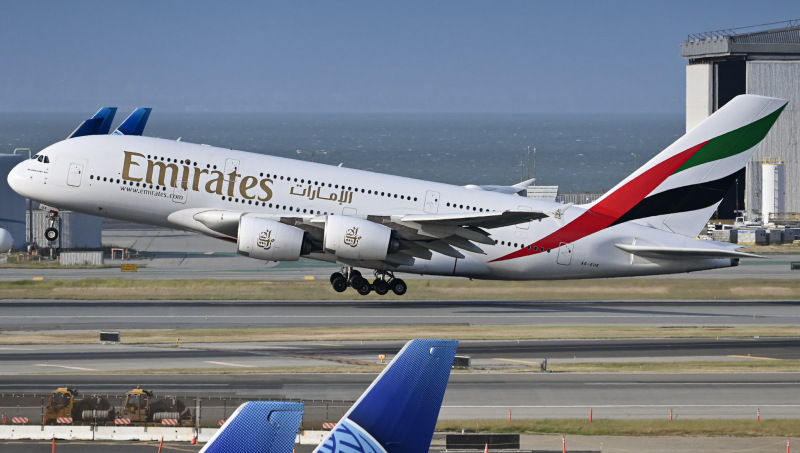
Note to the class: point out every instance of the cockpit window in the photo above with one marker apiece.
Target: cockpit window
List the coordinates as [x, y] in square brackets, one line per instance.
[46, 160]
[43, 159]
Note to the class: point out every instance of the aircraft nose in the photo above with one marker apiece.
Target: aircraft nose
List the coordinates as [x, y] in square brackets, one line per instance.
[16, 178]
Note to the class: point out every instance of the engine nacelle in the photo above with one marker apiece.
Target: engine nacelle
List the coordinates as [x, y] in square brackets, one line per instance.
[358, 239]
[265, 239]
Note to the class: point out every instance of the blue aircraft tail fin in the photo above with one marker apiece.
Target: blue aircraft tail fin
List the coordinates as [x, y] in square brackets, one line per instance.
[398, 412]
[259, 427]
[99, 124]
[134, 124]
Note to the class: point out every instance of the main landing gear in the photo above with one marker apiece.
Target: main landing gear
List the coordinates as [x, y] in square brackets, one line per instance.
[383, 283]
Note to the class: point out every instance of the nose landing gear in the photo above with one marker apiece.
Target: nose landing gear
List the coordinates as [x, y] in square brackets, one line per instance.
[383, 283]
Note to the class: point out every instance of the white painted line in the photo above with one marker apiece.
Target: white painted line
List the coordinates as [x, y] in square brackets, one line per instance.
[64, 366]
[229, 364]
[17, 349]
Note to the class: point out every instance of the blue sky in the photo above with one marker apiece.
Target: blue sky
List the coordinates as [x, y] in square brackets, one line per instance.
[358, 56]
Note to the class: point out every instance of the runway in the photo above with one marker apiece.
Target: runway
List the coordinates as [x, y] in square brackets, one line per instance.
[111, 314]
[487, 355]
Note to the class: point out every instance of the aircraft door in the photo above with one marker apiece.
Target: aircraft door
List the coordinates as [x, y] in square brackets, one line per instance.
[231, 165]
[564, 254]
[524, 225]
[431, 202]
[179, 194]
[74, 175]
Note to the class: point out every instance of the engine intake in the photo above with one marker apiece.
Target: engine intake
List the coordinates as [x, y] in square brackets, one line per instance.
[269, 240]
[358, 239]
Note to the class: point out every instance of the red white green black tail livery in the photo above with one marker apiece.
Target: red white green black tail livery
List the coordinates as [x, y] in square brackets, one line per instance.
[281, 209]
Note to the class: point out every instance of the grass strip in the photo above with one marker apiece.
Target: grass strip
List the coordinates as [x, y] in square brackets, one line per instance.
[734, 366]
[440, 289]
[637, 428]
[384, 333]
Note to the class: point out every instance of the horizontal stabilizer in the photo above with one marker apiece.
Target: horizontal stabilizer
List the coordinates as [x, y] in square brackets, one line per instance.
[681, 253]
[134, 124]
[259, 426]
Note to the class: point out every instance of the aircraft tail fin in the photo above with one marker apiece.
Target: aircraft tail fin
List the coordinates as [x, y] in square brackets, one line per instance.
[99, 124]
[398, 412]
[679, 189]
[134, 124]
[259, 426]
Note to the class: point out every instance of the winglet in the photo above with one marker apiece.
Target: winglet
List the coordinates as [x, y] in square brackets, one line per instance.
[99, 124]
[259, 426]
[134, 124]
[398, 412]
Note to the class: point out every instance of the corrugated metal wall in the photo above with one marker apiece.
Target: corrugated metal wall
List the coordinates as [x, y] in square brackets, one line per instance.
[778, 79]
[81, 258]
[77, 231]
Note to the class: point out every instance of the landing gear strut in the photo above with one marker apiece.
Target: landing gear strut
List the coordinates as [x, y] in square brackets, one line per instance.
[51, 233]
[383, 283]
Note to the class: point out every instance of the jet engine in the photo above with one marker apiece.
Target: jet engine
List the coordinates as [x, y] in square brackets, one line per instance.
[266, 239]
[358, 239]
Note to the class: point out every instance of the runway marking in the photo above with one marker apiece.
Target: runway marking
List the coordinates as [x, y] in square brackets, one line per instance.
[753, 357]
[64, 366]
[17, 349]
[229, 364]
[520, 361]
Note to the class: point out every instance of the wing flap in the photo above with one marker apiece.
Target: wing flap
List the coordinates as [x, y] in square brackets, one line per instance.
[487, 220]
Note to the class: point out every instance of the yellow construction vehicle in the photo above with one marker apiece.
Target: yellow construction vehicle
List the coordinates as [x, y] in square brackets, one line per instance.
[141, 407]
[65, 407]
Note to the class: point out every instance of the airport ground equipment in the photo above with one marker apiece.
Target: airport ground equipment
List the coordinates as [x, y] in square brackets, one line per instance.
[141, 407]
[65, 406]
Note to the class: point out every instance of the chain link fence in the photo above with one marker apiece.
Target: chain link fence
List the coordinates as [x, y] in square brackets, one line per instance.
[207, 412]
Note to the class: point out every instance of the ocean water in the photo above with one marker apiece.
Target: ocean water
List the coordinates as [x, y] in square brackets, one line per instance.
[579, 153]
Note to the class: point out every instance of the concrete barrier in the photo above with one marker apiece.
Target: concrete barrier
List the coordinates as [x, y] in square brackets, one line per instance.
[151, 433]
[311, 437]
[38, 433]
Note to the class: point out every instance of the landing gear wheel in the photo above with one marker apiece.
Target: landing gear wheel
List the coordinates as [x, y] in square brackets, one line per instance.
[361, 285]
[399, 286]
[339, 284]
[380, 286]
[364, 289]
[354, 274]
[51, 234]
[336, 275]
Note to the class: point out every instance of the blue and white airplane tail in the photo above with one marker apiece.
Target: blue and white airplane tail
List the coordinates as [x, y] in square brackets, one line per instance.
[134, 124]
[258, 427]
[398, 412]
[99, 124]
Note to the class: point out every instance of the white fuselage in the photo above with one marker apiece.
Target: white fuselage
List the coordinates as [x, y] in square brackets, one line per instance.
[144, 180]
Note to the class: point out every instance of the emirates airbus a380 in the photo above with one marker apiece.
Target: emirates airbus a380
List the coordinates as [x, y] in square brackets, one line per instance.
[280, 209]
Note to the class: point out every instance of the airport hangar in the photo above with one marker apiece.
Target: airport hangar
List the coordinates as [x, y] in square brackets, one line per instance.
[763, 60]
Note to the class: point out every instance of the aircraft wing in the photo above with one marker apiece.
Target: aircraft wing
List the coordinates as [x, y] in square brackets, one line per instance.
[487, 220]
[418, 234]
[681, 253]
